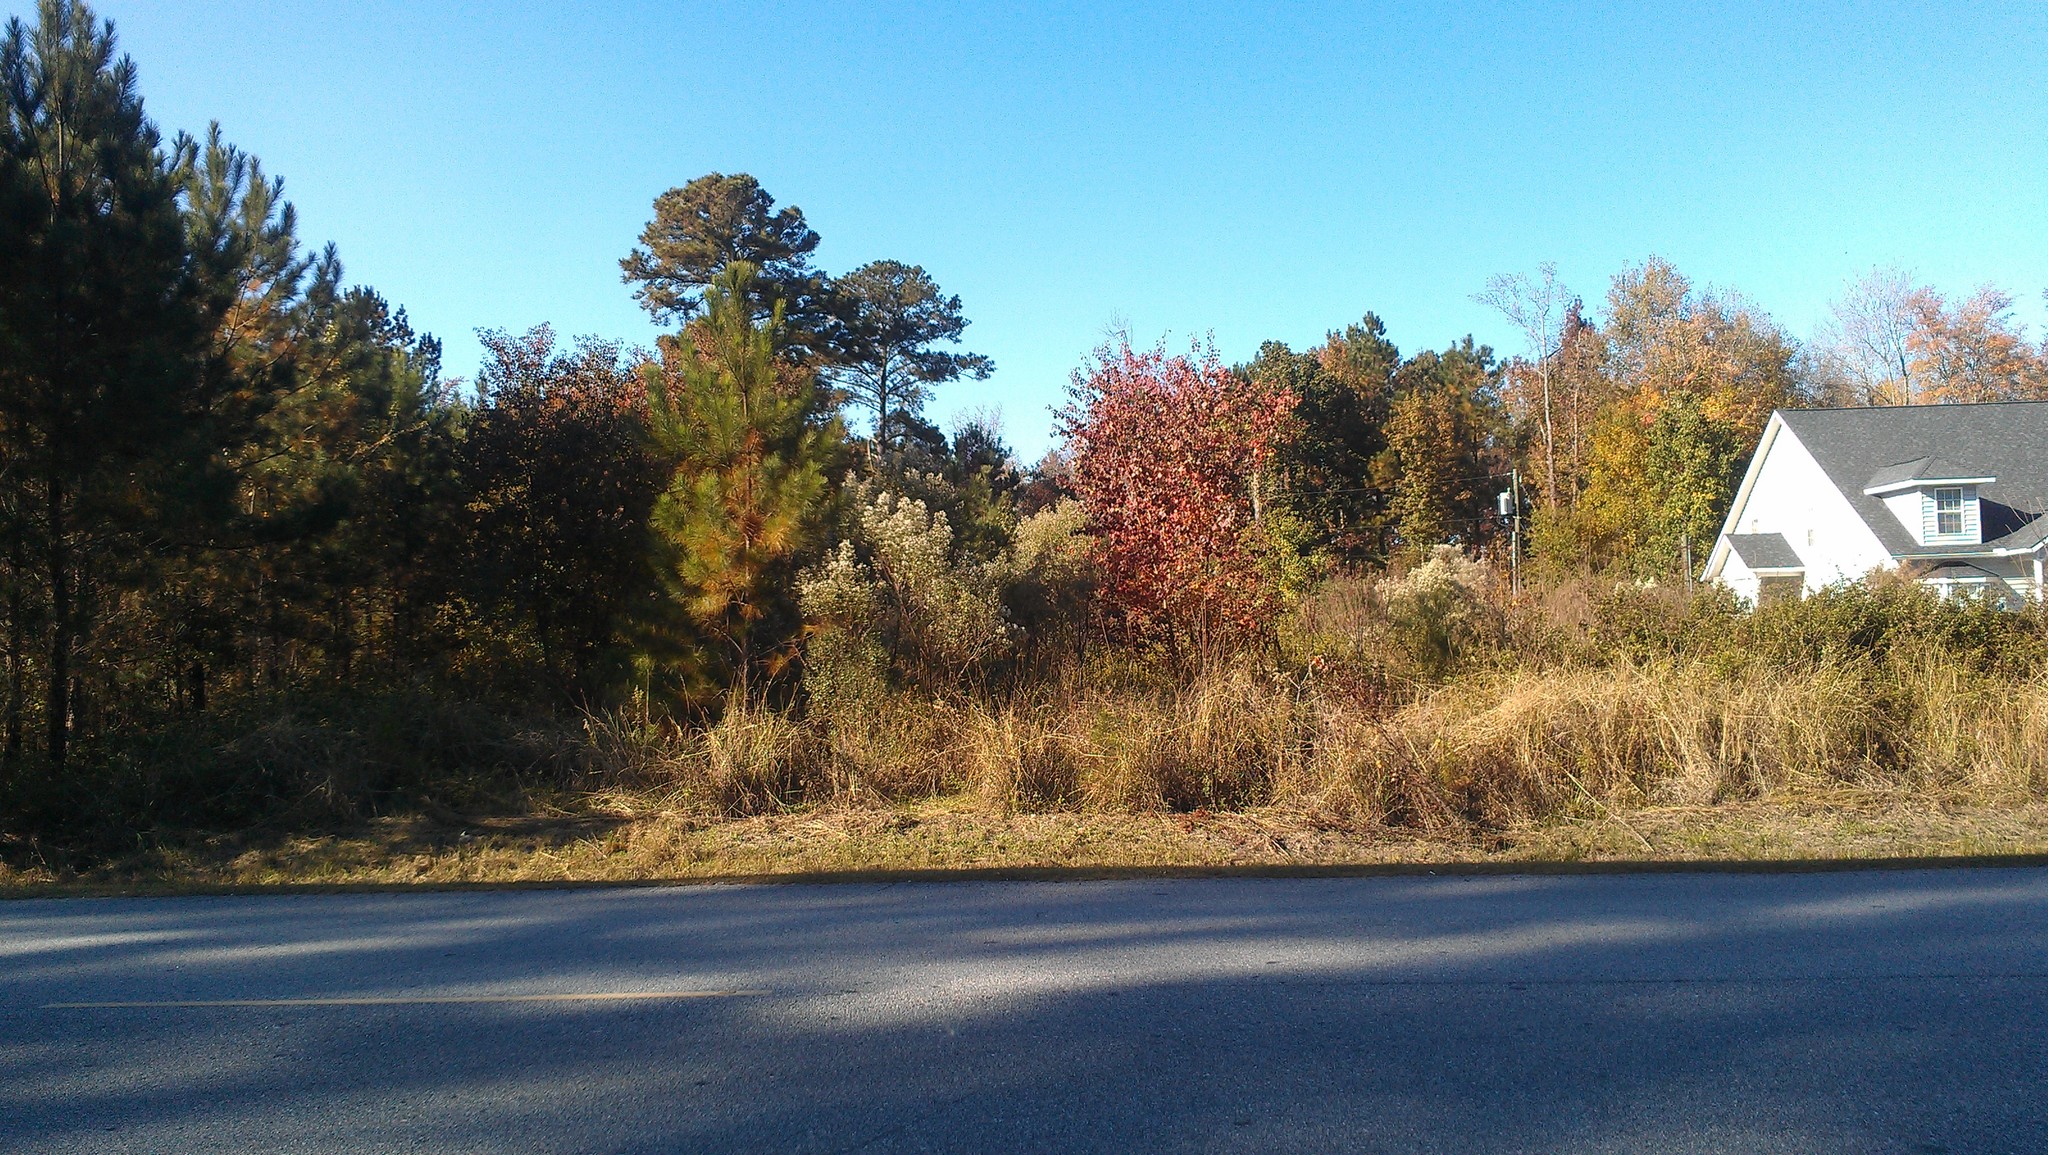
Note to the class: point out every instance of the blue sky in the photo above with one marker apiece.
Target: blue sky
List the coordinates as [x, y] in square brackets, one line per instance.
[1251, 171]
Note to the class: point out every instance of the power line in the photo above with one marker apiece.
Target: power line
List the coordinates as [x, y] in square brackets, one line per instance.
[1383, 489]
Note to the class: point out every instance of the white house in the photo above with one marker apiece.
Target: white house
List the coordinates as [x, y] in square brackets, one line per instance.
[1953, 495]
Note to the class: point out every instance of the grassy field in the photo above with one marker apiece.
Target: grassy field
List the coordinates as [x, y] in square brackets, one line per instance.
[453, 849]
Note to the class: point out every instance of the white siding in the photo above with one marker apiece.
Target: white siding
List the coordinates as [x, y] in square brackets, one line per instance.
[1789, 494]
[1738, 577]
[1911, 507]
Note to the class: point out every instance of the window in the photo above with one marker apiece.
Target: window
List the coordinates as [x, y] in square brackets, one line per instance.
[1948, 512]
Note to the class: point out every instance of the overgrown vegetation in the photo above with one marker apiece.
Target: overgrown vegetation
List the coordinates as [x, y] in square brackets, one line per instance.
[1594, 705]
[269, 576]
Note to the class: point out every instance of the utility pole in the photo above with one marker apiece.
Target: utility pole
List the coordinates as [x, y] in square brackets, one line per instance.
[1510, 507]
[1515, 537]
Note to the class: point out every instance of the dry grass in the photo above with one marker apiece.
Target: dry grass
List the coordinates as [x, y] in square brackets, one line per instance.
[1235, 766]
[1457, 760]
[953, 835]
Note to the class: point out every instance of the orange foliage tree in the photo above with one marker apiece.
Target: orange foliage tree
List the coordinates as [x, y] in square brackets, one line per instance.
[1168, 452]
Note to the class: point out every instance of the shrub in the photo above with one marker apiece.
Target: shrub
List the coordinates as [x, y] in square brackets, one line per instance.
[1167, 451]
[895, 585]
[1048, 577]
[1439, 613]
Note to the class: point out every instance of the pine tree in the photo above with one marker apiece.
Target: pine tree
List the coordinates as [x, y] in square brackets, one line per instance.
[1443, 444]
[102, 321]
[889, 315]
[713, 222]
[752, 439]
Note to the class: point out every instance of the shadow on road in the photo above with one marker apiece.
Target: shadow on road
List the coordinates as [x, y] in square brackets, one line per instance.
[1865, 1012]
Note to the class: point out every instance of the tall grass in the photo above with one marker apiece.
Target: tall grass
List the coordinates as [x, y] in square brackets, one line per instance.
[1577, 702]
[1479, 753]
[1620, 699]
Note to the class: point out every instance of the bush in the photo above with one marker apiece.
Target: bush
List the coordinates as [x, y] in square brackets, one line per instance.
[1654, 698]
[1048, 577]
[896, 585]
[1438, 612]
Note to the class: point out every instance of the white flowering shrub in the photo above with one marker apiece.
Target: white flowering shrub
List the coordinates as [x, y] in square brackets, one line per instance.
[1438, 611]
[846, 666]
[893, 596]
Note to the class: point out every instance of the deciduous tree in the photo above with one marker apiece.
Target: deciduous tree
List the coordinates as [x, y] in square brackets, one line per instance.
[1973, 350]
[561, 480]
[1538, 306]
[1165, 452]
[1864, 351]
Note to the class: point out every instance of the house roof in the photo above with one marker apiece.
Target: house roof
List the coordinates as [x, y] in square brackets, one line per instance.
[1920, 471]
[1762, 551]
[1862, 449]
[1957, 571]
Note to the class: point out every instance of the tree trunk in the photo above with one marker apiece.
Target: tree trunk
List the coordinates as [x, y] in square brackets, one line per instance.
[17, 674]
[58, 708]
[1549, 441]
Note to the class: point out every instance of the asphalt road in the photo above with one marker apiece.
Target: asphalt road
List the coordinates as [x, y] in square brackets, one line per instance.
[1857, 1012]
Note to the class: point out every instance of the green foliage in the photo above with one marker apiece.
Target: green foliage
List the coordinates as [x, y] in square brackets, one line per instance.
[1443, 447]
[751, 438]
[1668, 398]
[103, 320]
[1286, 544]
[1049, 575]
[1339, 427]
[1691, 467]
[1881, 620]
[708, 225]
[903, 601]
[1644, 622]
[972, 480]
[888, 318]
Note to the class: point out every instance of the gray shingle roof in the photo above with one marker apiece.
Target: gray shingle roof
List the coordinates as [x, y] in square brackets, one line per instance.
[1765, 551]
[1918, 469]
[2005, 440]
[1958, 571]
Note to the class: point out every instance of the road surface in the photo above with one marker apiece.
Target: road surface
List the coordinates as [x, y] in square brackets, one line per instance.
[1882, 1011]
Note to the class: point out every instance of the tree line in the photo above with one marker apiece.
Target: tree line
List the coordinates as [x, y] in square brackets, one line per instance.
[225, 472]
[1628, 424]
[226, 476]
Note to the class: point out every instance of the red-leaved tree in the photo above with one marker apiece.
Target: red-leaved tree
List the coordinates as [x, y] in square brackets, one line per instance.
[1167, 452]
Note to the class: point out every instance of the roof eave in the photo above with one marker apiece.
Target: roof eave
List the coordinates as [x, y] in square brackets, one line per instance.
[1718, 560]
[1923, 483]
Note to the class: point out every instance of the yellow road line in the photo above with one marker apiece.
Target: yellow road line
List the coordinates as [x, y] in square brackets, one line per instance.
[410, 1000]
